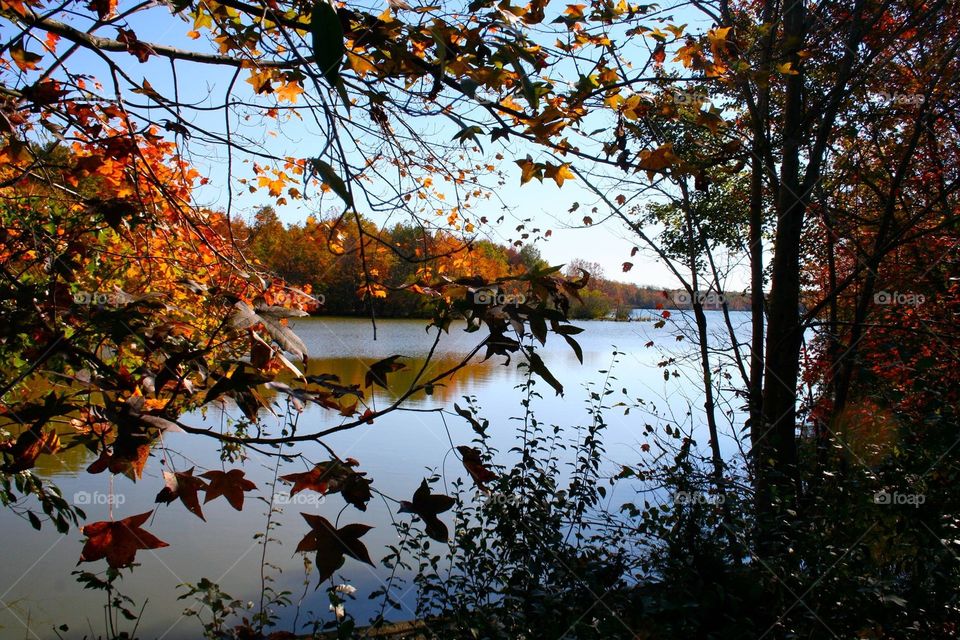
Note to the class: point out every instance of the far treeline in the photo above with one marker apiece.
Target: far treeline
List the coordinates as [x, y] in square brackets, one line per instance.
[326, 258]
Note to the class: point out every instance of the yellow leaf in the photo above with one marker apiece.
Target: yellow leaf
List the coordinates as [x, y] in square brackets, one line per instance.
[787, 69]
[718, 35]
[529, 169]
[289, 92]
[360, 64]
[559, 173]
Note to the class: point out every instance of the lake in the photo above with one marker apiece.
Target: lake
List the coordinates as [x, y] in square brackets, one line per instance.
[397, 451]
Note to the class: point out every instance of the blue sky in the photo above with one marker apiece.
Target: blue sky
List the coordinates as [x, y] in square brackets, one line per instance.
[608, 244]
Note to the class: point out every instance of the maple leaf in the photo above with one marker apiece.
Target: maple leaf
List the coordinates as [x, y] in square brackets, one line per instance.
[529, 170]
[332, 544]
[104, 8]
[182, 485]
[473, 463]
[377, 373]
[118, 542]
[558, 173]
[289, 92]
[427, 505]
[659, 54]
[334, 476]
[657, 160]
[140, 50]
[127, 458]
[26, 60]
[230, 484]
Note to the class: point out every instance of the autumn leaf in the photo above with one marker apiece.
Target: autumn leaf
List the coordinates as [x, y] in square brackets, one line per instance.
[334, 476]
[332, 544]
[182, 485]
[627, 266]
[28, 447]
[25, 60]
[657, 160]
[473, 463]
[377, 373]
[230, 484]
[787, 69]
[659, 54]
[118, 542]
[126, 457]
[140, 50]
[558, 173]
[427, 505]
[529, 170]
[104, 8]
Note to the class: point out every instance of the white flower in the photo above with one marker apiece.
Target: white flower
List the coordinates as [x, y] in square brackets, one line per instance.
[345, 588]
[338, 610]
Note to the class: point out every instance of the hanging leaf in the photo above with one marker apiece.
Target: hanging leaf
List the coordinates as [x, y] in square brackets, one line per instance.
[329, 176]
[427, 505]
[379, 370]
[332, 544]
[118, 542]
[230, 484]
[473, 463]
[183, 486]
[328, 46]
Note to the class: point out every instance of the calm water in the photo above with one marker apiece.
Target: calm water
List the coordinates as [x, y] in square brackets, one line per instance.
[37, 590]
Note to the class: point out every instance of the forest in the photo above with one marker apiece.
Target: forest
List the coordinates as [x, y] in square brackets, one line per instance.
[282, 354]
[300, 255]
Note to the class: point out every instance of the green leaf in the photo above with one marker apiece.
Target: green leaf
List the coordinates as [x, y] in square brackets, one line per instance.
[328, 46]
[329, 176]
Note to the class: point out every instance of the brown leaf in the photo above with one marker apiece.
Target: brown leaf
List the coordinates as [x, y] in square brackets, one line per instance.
[185, 487]
[334, 476]
[28, 447]
[377, 374]
[118, 542]
[473, 463]
[230, 484]
[332, 544]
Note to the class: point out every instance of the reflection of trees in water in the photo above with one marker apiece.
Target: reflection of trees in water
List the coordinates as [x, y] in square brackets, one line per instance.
[69, 461]
[75, 459]
[352, 371]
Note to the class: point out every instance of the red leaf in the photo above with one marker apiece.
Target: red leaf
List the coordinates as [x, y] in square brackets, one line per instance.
[28, 447]
[118, 542]
[334, 476]
[473, 463]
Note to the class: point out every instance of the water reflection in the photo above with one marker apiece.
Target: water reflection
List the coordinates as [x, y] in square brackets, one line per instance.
[396, 451]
